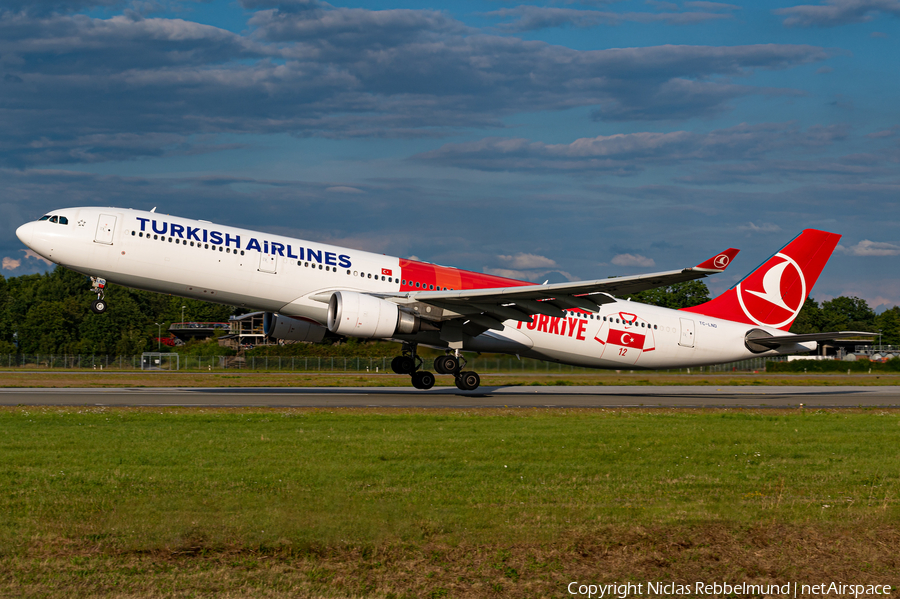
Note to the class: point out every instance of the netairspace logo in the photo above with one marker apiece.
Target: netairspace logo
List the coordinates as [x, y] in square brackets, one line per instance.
[792, 589]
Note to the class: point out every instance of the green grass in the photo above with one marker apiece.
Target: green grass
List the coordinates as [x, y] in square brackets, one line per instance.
[383, 503]
[142, 479]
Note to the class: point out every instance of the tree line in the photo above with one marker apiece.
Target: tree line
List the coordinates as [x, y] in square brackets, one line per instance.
[50, 314]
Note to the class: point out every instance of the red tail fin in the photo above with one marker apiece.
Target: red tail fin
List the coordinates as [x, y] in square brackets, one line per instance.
[773, 294]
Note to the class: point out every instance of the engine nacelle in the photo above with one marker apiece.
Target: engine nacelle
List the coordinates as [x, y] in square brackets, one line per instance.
[359, 315]
[279, 326]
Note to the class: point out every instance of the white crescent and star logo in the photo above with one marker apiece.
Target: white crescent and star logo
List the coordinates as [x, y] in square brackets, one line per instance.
[771, 293]
[626, 339]
[721, 261]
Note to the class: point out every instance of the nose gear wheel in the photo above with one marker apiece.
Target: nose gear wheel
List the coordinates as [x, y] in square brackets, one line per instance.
[98, 286]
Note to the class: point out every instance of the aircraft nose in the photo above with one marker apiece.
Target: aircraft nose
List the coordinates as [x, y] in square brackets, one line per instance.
[25, 233]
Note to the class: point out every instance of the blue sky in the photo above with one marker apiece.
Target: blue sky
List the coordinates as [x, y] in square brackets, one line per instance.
[539, 140]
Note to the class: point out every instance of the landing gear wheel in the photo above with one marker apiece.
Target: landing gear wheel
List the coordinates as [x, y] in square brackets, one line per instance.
[423, 379]
[468, 380]
[446, 364]
[403, 365]
[98, 306]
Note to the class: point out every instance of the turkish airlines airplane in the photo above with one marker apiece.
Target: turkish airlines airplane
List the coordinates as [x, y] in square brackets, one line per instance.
[308, 288]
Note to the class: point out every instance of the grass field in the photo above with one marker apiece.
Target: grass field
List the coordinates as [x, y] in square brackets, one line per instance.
[89, 378]
[440, 503]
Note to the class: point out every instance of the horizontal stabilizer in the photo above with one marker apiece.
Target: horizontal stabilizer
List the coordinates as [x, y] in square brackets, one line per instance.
[759, 340]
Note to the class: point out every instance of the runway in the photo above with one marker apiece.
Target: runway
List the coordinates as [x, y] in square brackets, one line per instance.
[450, 397]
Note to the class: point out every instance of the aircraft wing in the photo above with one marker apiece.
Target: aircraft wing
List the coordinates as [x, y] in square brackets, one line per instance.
[776, 341]
[490, 307]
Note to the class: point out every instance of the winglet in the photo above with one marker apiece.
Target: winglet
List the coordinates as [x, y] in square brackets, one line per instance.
[719, 262]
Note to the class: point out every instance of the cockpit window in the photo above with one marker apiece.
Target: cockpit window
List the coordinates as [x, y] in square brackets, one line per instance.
[45, 217]
[63, 220]
[53, 219]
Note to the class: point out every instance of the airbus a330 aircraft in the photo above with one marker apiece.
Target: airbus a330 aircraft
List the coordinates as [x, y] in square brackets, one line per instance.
[309, 288]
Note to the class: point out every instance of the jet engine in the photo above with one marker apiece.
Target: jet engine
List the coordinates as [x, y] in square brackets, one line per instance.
[279, 326]
[359, 315]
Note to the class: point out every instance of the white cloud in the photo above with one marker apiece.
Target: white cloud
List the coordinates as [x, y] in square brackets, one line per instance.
[627, 153]
[10, 263]
[760, 228]
[537, 276]
[36, 256]
[632, 260]
[837, 12]
[522, 261]
[871, 248]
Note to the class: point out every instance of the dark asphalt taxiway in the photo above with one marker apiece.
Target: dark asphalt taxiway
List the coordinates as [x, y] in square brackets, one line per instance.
[448, 397]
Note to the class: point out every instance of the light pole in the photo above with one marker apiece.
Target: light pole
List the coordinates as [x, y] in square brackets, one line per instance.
[158, 335]
[182, 315]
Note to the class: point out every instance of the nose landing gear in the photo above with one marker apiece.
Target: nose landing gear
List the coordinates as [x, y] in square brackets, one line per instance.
[98, 286]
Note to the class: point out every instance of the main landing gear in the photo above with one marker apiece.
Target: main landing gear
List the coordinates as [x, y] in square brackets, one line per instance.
[410, 363]
[98, 286]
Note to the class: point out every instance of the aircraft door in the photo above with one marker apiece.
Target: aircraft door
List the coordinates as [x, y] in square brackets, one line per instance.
[268, 263]
[105, 228]
[687, 333]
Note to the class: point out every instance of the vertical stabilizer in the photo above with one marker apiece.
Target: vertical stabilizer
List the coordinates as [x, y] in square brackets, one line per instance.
[773, 294]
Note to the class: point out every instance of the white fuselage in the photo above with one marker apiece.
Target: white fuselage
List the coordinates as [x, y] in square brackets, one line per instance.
[228, 265]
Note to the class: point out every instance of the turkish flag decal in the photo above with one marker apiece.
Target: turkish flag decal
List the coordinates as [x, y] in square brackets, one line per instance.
[625, 338]
[386, 271]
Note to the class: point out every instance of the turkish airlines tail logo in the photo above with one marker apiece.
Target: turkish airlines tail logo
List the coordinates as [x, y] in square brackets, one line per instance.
[772, 285]
[773, 294]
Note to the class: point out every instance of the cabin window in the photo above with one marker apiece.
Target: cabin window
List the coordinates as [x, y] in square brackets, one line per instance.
[133, 233]
[242, 252]
[63, 220]
[54, 219]
[320, 267]
[156, 237]
[45, 217]
[370, 275]
[417, 284]
[348, 271]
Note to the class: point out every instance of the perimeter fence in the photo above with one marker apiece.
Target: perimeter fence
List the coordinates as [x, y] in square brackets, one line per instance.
[494, 364]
